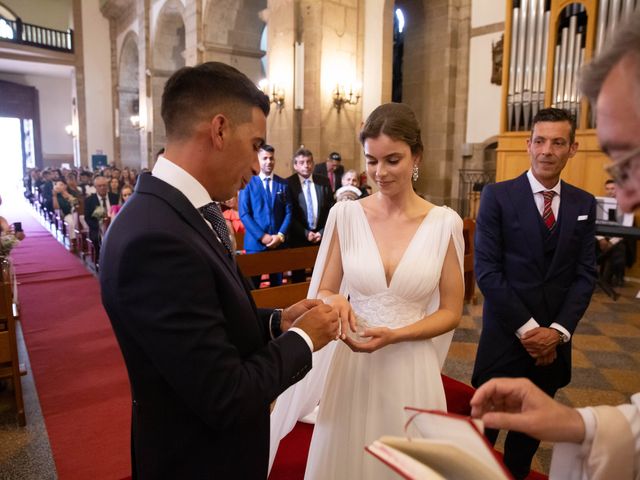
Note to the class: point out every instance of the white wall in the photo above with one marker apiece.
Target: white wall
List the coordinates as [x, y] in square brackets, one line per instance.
[483, 112]
[97, 72]
[54, 95]
[487, 12]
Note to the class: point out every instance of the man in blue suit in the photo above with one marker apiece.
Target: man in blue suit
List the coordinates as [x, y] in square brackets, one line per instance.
[265, 210]
[535, 265]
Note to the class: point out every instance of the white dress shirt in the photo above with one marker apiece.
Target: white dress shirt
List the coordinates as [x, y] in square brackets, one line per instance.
[314, 196]
[537, 188]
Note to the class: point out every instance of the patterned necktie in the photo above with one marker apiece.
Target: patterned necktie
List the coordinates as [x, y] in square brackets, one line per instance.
[307, 195]
[547, 213]
[267, 187]
[212, 214]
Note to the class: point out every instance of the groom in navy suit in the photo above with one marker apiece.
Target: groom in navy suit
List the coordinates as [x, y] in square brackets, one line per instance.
[535, 265]
[265, 210]
[204, 363]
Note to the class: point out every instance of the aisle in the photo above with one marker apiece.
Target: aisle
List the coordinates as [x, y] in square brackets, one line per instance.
[77, 366]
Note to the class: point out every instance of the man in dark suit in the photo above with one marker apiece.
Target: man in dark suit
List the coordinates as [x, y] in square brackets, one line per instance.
[535, 265]
[103, 199]
[332, 169]
[311, 199]
[265, 210]
[202, 367]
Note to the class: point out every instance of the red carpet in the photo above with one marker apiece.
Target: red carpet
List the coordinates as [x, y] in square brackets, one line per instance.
[77, 366]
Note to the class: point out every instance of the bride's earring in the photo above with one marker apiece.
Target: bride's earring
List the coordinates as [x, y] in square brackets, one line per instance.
[414, 177]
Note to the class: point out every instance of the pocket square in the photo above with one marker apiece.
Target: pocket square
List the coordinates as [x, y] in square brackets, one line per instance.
[582, 217]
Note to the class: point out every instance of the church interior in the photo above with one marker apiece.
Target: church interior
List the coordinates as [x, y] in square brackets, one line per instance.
[81, 84]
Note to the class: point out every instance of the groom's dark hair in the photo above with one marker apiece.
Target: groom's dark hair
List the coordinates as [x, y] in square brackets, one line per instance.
[197, 94]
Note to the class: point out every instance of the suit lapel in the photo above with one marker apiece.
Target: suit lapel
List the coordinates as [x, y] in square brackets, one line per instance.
[177, 201]
[567, 218]
[527, 212]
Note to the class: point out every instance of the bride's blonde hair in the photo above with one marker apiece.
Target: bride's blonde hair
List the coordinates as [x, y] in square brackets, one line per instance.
[397, 121]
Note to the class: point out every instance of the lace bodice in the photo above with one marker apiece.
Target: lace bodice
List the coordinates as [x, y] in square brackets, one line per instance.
[412, 292]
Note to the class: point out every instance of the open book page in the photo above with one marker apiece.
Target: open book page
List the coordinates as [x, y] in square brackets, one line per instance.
[445, 457]
[402, 463]
[462, 432]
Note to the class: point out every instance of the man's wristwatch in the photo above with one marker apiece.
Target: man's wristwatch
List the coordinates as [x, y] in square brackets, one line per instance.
[563, 337]
[275, 329]
[281, 235]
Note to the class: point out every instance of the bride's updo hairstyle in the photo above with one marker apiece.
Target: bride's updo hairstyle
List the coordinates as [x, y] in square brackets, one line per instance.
[396, 121]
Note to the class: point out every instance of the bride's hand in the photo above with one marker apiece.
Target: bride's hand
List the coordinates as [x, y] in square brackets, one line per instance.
[343, 307]
[378, 337]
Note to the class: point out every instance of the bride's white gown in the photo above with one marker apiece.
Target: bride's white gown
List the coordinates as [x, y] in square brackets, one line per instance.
[363, 395]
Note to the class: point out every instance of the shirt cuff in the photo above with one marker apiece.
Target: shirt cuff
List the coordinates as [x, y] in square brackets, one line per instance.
[589, 419]
[304, 336]
[530, 325]
[564, 331]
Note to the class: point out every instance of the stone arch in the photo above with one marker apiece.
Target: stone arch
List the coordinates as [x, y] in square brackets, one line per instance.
[232, 30]
[168, 55]
[128, 102]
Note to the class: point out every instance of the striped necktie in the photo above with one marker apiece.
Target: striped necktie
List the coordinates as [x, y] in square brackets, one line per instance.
[547, 213]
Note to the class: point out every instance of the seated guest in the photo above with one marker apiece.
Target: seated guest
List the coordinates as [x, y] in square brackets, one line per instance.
[46, 190]
[125, 193]
[66, 203]
[114, 185]
[7, 229]
[96, 210]
[85, 183]
[265, 210]
[614, 253]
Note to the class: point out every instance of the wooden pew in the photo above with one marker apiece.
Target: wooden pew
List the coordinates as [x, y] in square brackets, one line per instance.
[9, 361]
[278, 261]
[468, 231]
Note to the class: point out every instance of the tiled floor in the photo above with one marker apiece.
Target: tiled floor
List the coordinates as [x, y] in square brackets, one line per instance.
[606, 369]
[606, 354]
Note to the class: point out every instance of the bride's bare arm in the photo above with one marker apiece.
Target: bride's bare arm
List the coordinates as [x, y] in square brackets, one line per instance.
[446, 318]
[330, 286]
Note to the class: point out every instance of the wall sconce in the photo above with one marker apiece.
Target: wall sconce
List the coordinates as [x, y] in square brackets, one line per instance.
[135, 122]
[71, 131]
[343, 96]
[274, 91]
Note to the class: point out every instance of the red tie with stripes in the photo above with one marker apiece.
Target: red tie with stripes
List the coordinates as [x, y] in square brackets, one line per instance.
[547, 213]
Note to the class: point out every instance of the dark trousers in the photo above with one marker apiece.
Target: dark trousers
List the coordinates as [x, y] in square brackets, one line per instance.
[519, 448]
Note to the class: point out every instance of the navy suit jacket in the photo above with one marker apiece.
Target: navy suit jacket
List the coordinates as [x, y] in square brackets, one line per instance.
[299, 227]
[202, 369]
[262, 214]
[90, 204]
[511, 272]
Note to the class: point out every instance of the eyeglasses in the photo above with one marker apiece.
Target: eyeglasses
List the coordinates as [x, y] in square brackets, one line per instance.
[620, 168]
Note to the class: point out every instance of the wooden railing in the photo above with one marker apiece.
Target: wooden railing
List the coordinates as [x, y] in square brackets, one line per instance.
[16, 31]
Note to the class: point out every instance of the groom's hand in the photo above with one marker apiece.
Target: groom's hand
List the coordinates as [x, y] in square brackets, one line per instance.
[291, 314]
[321, 323]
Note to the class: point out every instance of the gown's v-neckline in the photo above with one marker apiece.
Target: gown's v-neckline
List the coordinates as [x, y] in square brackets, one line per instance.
[404, 254]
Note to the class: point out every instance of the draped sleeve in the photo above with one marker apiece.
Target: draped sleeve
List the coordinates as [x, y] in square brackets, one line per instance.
[301, 399]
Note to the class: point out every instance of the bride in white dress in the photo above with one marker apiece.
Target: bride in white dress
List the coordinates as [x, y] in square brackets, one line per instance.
[391, 264]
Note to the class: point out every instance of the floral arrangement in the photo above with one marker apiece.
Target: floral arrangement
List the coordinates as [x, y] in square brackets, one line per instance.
[99, 213]
[7, 242]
